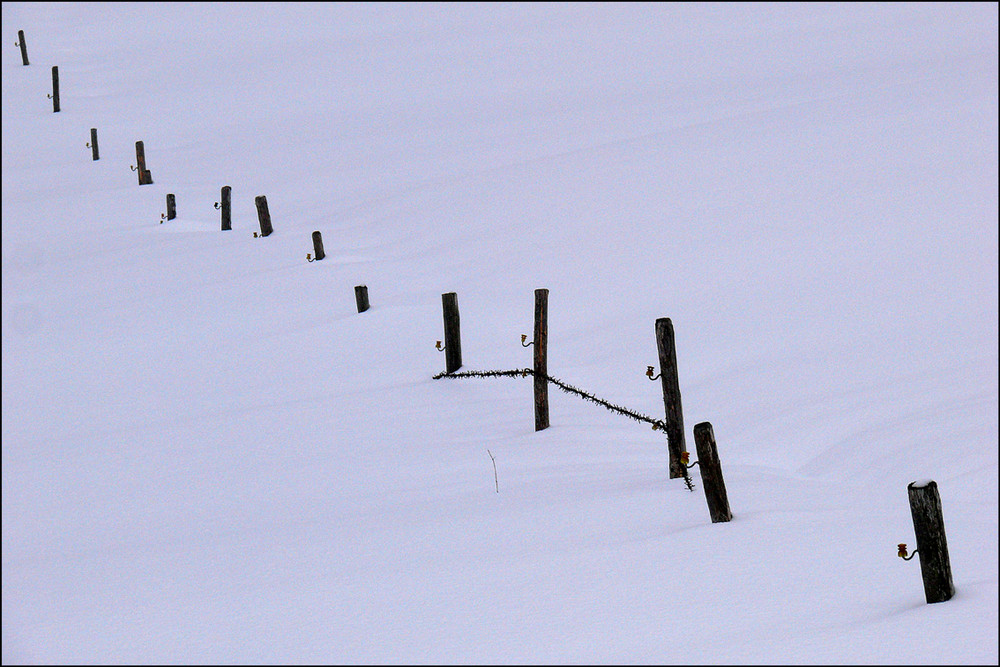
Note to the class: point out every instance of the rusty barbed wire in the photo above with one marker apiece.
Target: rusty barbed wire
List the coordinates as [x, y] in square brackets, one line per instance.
[657, 424]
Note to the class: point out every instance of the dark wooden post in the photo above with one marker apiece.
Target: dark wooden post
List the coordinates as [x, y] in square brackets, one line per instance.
[226, 206]
[452, 333]
[541, 359]
[263, 215]
[24, 47]
[318, 245]
[674, 420]
[171, 207]
[145, 177]
[55, 89]
[361, 296]
[711, 473]
[928, 525]
[93, 143]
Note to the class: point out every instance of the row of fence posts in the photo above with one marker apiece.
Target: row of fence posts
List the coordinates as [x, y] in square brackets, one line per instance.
[925, 500]
[225, 204]
[708, 456]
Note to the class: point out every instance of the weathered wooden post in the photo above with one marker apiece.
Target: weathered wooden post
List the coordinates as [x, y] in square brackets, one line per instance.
[171, 207]
[361, 296]
[318, 245]
[928, 525]
[452, 333]
[711, 473]
[226, 206]
[24, 47]
[55, 89]
[541, 380]
[674, 420]
[93, 143]
[145, 176]
[263, 215]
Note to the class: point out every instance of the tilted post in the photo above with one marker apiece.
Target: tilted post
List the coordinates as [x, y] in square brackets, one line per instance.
[928, 525]
[263, 215]
[541, 379]
[452, 332]
[93, 143]
[171, 207]
[24, 47]
[711, 473]
[226, 206]
[674, 420]
[318, 245]
[361, 296]
[55, 89]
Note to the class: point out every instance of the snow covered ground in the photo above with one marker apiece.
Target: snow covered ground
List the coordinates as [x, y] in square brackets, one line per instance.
[210, 456]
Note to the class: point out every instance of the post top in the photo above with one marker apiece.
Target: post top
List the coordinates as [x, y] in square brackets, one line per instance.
[921, 483]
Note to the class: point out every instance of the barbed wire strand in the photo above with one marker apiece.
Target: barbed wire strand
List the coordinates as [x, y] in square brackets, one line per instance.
[569, 389]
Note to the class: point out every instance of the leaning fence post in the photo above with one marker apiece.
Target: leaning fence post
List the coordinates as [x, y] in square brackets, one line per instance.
[361, 296]
[711, 473]
[93, 143]
[226, 206]
[452, 333]
[928, 525]
[541, 379]
[24, 47]
[145, 177]
[318, 245]
[55, 89]
[171, 207]
[674, 421]
[263, 215]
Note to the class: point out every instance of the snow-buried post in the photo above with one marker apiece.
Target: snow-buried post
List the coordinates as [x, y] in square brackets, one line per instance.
[263, 215]
[93, 143]
[318, 245]
[674, 420]
[541, 359]
[452, 333]
[711, 473]
[928, 526]
[361, 296]
[171, 207]
[145, 176]
[226, 206]
[24, 47]
[55, 89]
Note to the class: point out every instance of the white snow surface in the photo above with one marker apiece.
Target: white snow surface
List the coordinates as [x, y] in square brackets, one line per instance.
[209, 456]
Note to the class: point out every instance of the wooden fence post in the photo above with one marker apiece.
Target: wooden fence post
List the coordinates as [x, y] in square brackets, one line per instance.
[711, 473]
[674, 420]
[145, 176]
[541, 383]
[93, 143]
[318, 245]
[55, 89]
[361, 296]
[226, 206]
[263, 215]
[24, 47]
[928, 525]
[452, 333]
[171, 207]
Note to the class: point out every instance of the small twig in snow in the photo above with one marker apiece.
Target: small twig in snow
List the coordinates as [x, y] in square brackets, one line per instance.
[495, 480]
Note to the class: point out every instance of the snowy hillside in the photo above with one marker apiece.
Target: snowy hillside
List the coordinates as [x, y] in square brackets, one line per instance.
[209, 456]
